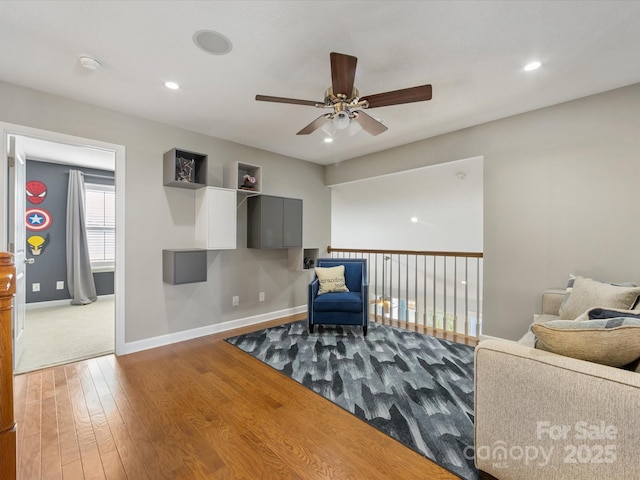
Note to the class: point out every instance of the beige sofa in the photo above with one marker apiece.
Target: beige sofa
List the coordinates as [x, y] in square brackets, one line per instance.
[539, 415]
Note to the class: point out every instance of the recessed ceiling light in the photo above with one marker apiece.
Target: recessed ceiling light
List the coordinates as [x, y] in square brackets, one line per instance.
[212, 42]
[414, 219]
[328, 140]
[172, 85]
[532, 66]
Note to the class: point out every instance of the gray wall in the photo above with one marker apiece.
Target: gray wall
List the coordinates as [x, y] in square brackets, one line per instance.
[51, 265]
[560, 197]
[160, 217]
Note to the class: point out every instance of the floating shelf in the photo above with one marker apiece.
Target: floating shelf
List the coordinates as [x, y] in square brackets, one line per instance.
[184, 169]
[234, 173]
[297, 257]
[181, 266]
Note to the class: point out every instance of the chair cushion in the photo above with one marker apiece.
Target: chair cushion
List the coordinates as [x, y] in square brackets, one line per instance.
[338, 302]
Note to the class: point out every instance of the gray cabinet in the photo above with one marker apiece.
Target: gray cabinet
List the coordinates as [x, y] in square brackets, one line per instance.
[184, 266]
[274, 222]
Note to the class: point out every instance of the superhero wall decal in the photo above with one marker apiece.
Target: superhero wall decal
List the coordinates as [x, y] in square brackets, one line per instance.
[37, 243]
[37, 219]
[36, 191]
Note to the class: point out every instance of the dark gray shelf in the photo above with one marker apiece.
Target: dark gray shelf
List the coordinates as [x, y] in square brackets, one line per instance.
[187, 265]
[184, 169]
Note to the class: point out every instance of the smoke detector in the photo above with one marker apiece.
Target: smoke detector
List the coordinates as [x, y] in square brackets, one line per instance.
[461, 175]
[89, 63]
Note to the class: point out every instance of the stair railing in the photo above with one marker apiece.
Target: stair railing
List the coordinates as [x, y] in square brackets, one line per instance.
[439, 291]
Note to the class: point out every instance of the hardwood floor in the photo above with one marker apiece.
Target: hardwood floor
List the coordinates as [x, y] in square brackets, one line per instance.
[200, 409]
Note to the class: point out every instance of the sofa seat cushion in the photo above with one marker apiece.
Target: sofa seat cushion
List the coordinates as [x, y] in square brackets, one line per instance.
[338, 302]
[614, 342]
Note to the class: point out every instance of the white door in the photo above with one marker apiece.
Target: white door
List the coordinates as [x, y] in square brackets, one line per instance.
[18, 241]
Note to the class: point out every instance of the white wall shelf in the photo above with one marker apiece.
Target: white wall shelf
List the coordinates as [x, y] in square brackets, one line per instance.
[298, 255]
[233, 177]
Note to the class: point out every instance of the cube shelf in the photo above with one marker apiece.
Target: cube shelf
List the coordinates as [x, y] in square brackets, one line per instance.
[184, 169]
[234, 177]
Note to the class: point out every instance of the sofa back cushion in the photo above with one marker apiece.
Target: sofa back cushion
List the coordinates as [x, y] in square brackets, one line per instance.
[588, 293]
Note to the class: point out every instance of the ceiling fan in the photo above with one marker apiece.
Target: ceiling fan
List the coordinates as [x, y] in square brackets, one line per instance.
[345, 102]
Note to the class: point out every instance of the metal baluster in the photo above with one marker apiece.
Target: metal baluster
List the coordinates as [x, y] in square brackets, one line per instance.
[424, 290]
[433, 316]
[415, 291]
[455, 294]
[478, 298]
[466, 296]
[444, 313]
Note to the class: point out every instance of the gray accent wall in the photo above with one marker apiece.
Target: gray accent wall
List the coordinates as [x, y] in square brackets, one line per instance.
[51, 265]
[560, 197]
[159, 217]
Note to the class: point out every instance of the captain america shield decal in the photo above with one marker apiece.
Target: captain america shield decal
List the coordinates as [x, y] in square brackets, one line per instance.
[37, 219]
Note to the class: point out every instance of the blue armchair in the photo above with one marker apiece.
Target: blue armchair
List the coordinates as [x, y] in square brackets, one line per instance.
[341, 308]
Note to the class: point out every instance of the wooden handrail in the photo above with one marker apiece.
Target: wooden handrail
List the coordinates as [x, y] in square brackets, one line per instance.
[406, 252]
[7, 422]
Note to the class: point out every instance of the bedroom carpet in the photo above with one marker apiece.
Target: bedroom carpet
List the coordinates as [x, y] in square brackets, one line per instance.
[415, 388]
[67, 333]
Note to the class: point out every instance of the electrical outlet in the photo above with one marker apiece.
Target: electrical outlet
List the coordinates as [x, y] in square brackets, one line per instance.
[235, 301]
[60, 285]
[261, 296]
[35, 287]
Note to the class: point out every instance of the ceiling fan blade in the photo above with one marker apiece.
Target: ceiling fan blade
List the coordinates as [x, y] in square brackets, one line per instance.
[316, 124]
[396, 97]
[343, 73]
[294, 101]
[369, 124]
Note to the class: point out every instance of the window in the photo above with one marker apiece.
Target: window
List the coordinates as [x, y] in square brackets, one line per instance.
[100, 211]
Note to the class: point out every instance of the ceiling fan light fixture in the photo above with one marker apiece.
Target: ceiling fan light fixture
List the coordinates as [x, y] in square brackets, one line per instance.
[354, 127]
[341, 120]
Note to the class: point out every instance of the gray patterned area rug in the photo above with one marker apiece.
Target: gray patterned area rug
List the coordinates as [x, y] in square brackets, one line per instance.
[415, 388]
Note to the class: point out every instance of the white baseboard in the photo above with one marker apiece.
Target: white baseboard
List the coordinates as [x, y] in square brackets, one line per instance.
[56, 303]
[168, 339]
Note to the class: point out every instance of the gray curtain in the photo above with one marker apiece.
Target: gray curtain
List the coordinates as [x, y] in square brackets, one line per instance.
[79, 277]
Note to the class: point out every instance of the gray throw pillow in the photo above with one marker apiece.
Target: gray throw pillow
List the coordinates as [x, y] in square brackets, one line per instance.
[588, 293]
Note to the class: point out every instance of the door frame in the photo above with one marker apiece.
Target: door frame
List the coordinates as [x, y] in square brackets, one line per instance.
[8, 129]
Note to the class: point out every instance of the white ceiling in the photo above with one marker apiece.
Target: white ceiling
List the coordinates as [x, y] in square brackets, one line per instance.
[472, 52]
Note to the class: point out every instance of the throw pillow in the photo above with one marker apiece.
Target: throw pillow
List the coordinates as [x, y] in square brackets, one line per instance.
[602, 313]
[572, 279]
[588, 293]
[331, 279]
[614, 342]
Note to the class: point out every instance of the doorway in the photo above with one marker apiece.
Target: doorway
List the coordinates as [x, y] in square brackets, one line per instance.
[64, 153]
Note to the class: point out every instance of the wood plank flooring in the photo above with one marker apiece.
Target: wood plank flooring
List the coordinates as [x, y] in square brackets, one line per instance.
[200, 409]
